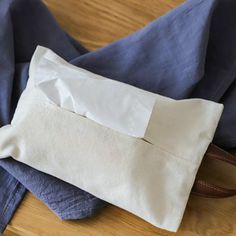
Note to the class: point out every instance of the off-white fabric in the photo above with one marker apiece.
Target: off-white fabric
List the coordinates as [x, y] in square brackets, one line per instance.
[110, 103]
[137, 150]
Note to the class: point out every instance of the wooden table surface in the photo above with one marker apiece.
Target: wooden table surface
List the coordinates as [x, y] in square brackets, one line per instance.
[96, 23]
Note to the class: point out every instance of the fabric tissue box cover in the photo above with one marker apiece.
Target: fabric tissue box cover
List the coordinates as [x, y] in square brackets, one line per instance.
[132, 148]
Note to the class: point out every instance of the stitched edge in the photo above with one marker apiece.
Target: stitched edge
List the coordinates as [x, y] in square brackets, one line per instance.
[17, 194]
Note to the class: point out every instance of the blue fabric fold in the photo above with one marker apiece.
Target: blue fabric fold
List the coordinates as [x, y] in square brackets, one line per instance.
[23, 25]
[11, 193]
[219, 80]
[189, 52]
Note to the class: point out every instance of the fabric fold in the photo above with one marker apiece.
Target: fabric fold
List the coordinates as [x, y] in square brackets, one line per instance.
[97, 157]
[24, 24]
[165, 57]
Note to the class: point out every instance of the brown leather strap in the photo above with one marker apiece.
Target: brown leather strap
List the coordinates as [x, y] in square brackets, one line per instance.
[205, 189]
[217, 153]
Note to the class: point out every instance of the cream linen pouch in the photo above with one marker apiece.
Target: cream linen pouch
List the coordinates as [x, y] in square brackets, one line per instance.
[135, 149]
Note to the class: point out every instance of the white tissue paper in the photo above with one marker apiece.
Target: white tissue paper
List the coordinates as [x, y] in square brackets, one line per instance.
[132, 148]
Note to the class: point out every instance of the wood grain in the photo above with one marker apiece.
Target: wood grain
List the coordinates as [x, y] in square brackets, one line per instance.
[97, 23]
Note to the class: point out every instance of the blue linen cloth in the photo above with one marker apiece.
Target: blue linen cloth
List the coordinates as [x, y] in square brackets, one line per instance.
[23, 25]
[188, 52]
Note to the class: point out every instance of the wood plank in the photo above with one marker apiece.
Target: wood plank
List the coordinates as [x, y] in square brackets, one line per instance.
[99, 22]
